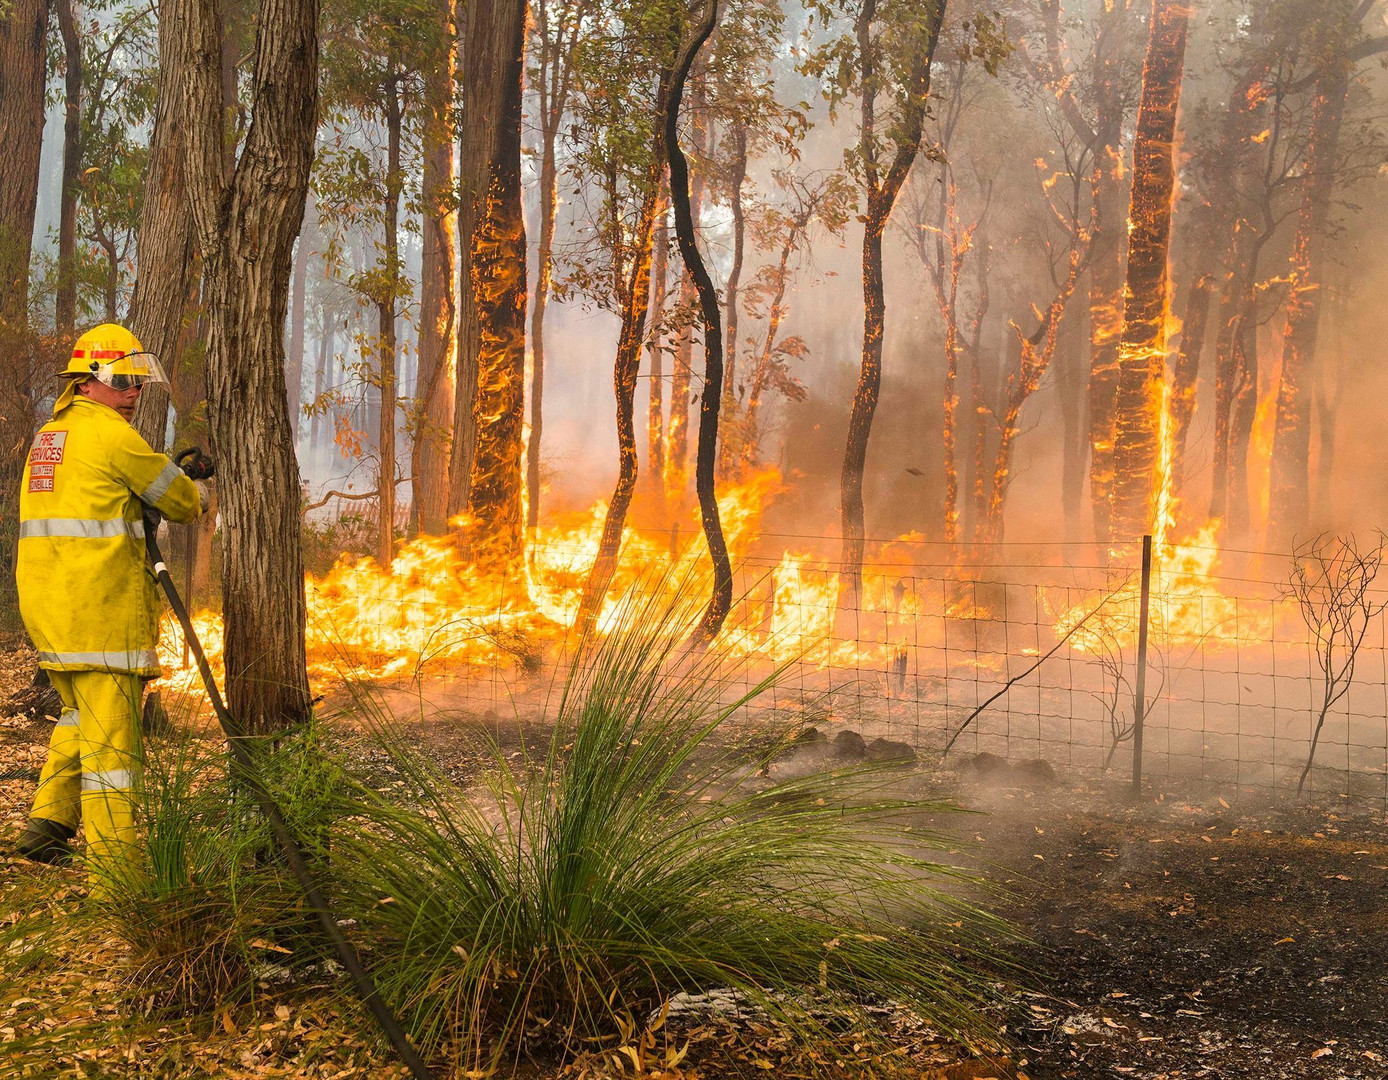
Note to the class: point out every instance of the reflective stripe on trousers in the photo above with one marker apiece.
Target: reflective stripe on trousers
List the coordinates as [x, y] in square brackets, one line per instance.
[82, 528]
[116, 660]
[108, 780]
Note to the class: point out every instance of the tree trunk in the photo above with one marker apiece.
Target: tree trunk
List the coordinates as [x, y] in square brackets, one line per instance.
[655, 411]
[1289, 496]
[881, 198]
[635, 302]
[775, 313]
[682, 370]
[385, 316]
[247, 214]
[294, 372]
[720, 602]
[438, 339]
[498, 293]
[1075, 452]
[66, 308]
[325, 355]
[1105, 290]
[1194, 326]
[23, 29]
[1142, 351]
[729, 450]
[163, 247]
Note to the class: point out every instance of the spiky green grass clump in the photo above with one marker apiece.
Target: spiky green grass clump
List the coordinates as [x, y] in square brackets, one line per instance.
[638, 857]
[204, 904]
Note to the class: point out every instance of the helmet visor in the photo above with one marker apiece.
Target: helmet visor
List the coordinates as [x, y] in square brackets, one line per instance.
[132, 370]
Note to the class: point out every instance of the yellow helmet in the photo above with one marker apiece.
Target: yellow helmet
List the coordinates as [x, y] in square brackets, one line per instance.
[113, 355]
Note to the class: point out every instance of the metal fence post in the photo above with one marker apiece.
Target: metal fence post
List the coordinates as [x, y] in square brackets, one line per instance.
[1140, 683]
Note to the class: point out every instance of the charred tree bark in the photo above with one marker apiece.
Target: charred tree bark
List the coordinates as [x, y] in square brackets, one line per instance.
[882, 190]
[385, 320]
[23, 29]
[437, 313]
[65, 314]
[247, 214]
[711, 398]
[1142, 352]
[1289, 495]
[497, 288]
[682, 367]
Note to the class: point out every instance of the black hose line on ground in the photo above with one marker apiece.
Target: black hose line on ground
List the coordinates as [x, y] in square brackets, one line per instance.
[250, 775]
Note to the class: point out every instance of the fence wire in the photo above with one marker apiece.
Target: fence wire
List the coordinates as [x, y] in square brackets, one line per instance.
[1030, 657]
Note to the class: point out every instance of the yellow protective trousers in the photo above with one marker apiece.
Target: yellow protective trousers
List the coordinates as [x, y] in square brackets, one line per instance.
[94, 763]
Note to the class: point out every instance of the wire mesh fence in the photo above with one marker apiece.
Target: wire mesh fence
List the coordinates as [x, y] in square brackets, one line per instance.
[1031, 656]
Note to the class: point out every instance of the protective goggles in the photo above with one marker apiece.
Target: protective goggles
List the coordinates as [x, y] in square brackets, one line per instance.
[130, 371]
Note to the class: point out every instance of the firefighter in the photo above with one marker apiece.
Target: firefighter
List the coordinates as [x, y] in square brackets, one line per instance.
[86, 597]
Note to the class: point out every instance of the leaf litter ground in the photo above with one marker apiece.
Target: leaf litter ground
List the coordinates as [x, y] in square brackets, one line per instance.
[1175, 937]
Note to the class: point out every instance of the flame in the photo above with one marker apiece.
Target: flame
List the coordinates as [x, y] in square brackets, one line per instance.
[432, 608]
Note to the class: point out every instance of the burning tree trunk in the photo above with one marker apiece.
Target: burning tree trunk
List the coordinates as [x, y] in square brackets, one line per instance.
[388, 291]
[1288, 506]
[655, 411]
[882, 191]
[1142, 352]
[1194, 326]
[164, 247]
[247, 214]
[429, 455]
[634, 293]
[66, 308]
[23, 28]
[495, 44]
[1106, 270]
[711, 398]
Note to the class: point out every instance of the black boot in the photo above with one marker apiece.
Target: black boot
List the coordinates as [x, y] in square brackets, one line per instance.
[46, 842]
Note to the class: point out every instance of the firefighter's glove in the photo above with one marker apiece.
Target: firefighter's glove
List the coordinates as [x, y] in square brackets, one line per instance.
[196, 464]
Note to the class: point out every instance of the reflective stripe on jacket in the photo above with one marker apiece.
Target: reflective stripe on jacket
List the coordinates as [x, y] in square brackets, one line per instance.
[85, 595]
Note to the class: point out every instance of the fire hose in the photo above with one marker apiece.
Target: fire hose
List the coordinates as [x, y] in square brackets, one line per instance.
[249, 774]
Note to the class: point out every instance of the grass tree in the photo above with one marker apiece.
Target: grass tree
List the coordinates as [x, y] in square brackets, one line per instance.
[623, 860]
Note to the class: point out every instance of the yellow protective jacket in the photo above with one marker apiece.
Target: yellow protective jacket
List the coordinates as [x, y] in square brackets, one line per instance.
[85, 594]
